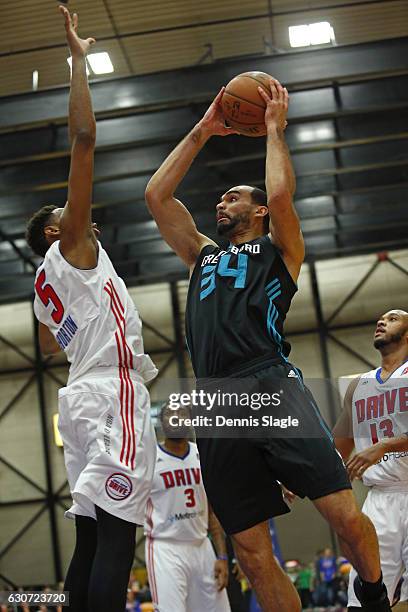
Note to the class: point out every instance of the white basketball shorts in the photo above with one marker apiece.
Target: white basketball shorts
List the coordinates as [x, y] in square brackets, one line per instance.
[388, 510]
[109, 443]
[181, 576]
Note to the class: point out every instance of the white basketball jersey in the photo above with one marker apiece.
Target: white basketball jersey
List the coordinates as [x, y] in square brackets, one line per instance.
[177, 508]
[380, 410]
[91, 315]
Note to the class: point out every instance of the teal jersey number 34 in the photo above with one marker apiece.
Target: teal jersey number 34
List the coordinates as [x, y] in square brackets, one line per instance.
[208, 275]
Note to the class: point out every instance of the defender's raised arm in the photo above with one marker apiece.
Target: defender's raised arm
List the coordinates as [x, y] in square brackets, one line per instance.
[174, 221]
[78, 241]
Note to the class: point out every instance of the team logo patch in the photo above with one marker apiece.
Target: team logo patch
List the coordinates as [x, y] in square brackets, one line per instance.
[405, 372]
[118, 486]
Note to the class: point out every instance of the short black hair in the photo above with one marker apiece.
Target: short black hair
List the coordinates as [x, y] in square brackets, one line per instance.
[35, 230]
[259, 196]
[166, 408]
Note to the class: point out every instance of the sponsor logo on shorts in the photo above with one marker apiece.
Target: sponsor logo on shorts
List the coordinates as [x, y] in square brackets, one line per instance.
[118, 486]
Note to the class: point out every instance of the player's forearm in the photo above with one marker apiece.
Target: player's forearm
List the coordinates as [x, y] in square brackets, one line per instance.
[280, 176]
[217, 535]
[81, 117]
[345, 446]
[167, 178]
[395, 445]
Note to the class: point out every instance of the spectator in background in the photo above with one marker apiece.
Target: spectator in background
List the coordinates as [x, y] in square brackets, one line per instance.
[340, 587]
[132, 605]
[304, 582]
[317, 579]
[327, 567]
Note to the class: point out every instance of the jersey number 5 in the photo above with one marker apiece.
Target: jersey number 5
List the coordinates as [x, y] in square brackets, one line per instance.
[47, 294]
[190, 501]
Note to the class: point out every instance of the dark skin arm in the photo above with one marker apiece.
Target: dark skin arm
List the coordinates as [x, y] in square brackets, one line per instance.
[280, 181]
[343, 430]
[48, 344]
[358, 464]
[78, 243]
[173, 219]
[343, 437]
[218, 538]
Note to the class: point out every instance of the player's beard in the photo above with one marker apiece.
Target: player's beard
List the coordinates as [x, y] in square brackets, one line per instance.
[227, 229]
[388, 339]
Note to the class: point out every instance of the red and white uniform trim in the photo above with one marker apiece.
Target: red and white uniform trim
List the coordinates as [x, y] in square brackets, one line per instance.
[127, 391]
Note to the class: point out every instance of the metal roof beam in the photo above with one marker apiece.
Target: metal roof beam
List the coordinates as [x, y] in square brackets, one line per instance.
[197, 83]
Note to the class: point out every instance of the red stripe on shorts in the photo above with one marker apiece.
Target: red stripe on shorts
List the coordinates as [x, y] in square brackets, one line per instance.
[150, 553]
[130, 392]
[117, 309]
[124, 428]
[124, 389]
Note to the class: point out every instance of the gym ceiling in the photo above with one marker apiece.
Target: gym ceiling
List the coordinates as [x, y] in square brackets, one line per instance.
[348, 120]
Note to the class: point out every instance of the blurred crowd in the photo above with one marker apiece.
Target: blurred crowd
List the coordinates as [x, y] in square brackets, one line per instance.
[322, 585]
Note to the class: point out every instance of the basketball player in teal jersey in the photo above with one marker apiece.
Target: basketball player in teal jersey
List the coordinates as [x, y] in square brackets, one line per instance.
[237, 302]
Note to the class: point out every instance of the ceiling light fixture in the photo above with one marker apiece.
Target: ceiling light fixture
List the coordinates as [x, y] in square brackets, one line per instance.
[100, 63]
[320, 33]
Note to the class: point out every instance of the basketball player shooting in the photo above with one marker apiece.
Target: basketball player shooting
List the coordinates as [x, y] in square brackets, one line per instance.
[237, 302]
[184, 574]
[83, 308]
[374, 422]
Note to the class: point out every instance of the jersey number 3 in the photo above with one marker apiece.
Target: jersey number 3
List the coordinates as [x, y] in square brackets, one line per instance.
[190, 498]
[47, 295]
[239, 273]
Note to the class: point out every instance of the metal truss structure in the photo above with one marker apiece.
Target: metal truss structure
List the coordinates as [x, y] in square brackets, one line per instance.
[37, 369]
[348, 127]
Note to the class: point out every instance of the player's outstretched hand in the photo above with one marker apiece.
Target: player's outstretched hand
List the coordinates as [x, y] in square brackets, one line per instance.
[213, 122]
[277, 104]
[221, 574]
[79, 47]
[357, 465]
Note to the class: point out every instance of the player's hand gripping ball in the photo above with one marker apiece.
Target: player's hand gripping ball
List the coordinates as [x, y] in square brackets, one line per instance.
[244, 106]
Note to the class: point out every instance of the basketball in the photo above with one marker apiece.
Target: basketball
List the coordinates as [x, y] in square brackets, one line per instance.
[242, 106]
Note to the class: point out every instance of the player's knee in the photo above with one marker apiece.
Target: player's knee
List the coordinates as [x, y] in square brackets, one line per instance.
[252, 562]
[256, 563]
[349, 525]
